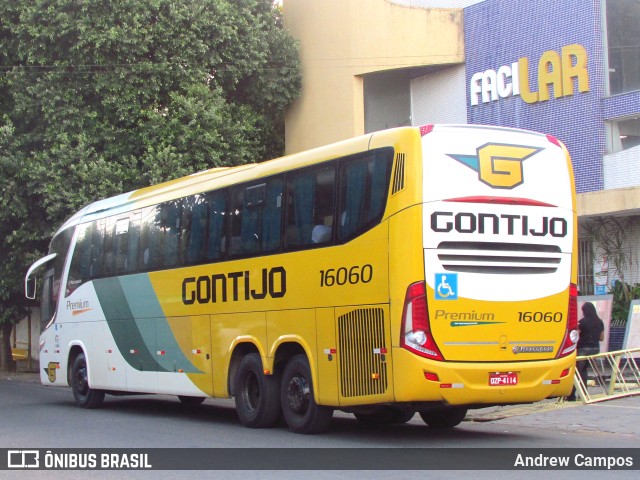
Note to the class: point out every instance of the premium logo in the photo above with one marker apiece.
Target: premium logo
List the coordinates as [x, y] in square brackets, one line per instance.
[78, 307]
[498, 165]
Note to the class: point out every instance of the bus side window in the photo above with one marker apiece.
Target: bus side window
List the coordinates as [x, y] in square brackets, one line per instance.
[121, 245]
[364, 182]
[79, 271]
[109, 247]
[310, 201]
[256, 217]
[170, 213]
[97, 245]
[149, 251]
[133, 242]
[194, 227]
[272, 215]
[219, 213]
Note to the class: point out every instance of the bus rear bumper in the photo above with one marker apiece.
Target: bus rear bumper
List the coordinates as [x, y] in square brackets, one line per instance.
[418, 379]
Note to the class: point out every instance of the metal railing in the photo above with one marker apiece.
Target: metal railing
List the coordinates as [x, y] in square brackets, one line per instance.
[611, 375]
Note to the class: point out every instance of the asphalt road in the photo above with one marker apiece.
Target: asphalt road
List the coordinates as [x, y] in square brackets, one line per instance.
[34, 416]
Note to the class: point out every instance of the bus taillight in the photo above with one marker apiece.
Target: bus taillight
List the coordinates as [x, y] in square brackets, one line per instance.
[425, 129]
[416, 332]
[571, 335]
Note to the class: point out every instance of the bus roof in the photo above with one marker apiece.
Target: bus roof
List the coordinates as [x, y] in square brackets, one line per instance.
[221, 177]
[214, 178]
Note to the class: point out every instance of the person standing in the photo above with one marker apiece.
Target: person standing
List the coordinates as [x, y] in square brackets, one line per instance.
[591, 329]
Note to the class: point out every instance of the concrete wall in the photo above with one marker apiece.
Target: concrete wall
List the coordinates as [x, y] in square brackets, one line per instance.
[437, 98]
[341, 41]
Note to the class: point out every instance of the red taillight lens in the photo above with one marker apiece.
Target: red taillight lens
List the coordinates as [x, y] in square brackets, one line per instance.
[554, 140]
[571, 334]
[425, 129]
[416, 333]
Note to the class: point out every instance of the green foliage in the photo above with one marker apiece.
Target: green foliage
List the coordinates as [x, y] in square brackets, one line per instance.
[100, 97]
[623, 294]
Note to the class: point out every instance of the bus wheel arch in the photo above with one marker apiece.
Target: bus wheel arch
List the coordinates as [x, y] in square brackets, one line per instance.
[73, 353]
[84, 395]
[284, 353]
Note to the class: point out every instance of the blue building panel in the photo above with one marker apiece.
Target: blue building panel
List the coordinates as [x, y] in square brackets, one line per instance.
[499, 33]
[623, 105]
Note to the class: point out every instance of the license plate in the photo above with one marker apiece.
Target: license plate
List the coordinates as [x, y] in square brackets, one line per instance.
[499, 379]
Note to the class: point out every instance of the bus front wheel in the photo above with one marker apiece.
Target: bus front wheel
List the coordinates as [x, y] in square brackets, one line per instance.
[257, 395]
[85, 396]
[443, 417]
[299, 408]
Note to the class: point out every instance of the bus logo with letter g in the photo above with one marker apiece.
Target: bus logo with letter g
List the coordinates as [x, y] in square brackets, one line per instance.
[498, 165]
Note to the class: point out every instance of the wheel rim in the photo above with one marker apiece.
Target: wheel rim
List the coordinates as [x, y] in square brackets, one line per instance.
[298, 395]
[251, 392]
[82, 383]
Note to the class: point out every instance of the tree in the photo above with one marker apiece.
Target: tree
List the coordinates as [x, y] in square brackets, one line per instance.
[100, 97]
[610, 237]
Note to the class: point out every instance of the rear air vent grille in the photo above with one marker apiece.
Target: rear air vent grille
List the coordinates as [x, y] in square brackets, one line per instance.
[363, 369]
[398, 174]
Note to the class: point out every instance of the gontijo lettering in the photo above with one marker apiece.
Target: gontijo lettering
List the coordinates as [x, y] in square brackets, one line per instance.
[216, 288]
[490, 223]
[557, 70]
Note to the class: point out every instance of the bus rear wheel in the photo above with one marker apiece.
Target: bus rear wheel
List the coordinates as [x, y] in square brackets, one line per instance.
[299, 408]
[84, 395]
[257, 396]
[443, 417]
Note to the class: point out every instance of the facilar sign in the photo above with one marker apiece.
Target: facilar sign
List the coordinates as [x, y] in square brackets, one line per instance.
[554, 69]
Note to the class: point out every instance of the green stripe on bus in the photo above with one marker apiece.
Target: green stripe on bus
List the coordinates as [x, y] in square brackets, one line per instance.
[132, 337]
[139, 326]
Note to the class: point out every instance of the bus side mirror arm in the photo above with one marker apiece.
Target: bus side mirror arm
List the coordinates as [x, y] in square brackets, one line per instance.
[29, 279]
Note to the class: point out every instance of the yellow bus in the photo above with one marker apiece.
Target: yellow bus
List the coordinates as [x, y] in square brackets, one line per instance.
[427, 269]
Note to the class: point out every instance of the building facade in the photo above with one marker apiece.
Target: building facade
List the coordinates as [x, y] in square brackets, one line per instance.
[570, 68]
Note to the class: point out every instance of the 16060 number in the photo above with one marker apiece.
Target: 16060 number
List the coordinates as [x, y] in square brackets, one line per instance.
[540, 317]
[346, 275]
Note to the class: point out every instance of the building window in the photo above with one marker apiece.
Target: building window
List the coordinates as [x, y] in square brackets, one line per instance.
[623, 36]
[624, 134]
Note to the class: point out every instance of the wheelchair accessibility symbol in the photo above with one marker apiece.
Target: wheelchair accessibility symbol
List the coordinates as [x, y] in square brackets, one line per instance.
[446, 286]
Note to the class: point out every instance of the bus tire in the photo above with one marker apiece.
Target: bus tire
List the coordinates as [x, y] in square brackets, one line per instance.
[299, 408]
[384, 415]
[257, 396]
[443, 417]
[84, 395]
